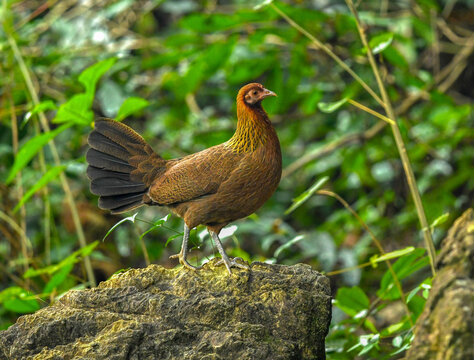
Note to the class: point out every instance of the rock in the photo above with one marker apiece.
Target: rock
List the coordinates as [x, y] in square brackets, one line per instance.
[270, 312]
[445, 329]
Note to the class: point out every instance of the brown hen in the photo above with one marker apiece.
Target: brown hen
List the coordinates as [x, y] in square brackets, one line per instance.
[212, 187]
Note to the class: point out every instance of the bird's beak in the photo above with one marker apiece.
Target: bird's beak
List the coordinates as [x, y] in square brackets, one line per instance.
[267, 93]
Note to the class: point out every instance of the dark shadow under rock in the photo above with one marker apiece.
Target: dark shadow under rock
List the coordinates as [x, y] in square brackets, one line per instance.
[270, 312]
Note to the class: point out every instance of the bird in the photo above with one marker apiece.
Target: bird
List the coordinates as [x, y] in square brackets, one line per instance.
[213, 187]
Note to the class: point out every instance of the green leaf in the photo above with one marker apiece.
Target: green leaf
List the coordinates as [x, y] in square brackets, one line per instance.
[425, 286]
[31, 148]
[21, 306]
[352, 300]
[171, 238]
[439, 220]
[416, 306]
[395, 57]
[12, 291]
[76, 110]
[406, 345]
[71, 259]
[380, 42]
[42, 106]
[119, 271]
[396, 328]
[373, 341]
[213, 22]
[130, 106]
[58, 278]
[397, 341]
[156, 224]
[90, 76]
[210, 60]
[50, 175]
[18, 300]
[298, 201]
[130, 218]
[262, 4]
[332, 106]
[391, 255]
[403, 267]
[287, 245]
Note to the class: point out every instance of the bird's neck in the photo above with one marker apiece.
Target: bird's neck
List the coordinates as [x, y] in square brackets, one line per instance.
[253, 128]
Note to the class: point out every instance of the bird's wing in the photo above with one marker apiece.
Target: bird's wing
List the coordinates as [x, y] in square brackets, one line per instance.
[194, 176]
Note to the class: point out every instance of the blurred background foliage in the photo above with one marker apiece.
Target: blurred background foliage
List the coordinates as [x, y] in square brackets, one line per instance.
[173, 69]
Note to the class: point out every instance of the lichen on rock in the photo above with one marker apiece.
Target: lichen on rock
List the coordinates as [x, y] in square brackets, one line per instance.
[267, 312]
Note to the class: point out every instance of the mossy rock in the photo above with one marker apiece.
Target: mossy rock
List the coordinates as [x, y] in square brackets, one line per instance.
[445, 329]
[267, 312]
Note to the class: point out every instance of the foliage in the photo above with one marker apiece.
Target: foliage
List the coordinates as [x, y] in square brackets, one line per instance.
[171, 69]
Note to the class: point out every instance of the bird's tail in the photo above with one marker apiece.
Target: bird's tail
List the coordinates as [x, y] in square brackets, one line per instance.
[122, 166]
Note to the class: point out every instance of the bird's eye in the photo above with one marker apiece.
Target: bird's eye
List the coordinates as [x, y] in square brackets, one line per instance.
[254, 92]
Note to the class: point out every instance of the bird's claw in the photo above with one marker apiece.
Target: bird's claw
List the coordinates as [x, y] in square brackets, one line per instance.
[184, 262]
[228, 262]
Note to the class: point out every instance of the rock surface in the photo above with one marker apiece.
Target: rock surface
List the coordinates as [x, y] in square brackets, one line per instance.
[445, 329]
[270, 312]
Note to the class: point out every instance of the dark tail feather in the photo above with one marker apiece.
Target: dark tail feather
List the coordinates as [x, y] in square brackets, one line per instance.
[121, 167]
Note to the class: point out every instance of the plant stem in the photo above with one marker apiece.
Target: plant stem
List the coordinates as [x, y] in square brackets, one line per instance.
[400, 144]
[370, 111]
[18, 229]
[143, 246]
[57, 161]
[328, 51]
[23, 243]
[376, 242]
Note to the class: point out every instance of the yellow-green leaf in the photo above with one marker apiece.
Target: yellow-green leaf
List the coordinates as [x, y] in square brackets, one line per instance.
[380, 42]
[332, 106]
[298, 201]
[130, 106]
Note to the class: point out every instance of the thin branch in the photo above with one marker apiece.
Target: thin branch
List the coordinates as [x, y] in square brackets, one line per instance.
[370, 111]
[17, 228]
[400, 144]
[19, 183]
[350, 139]
[376, 242]
[461, 56]
[44, 124]
[451, 71]
[329, 52]
[450, 34]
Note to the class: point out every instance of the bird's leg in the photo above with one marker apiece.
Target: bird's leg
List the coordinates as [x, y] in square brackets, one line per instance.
[184, 251]
[225, 259]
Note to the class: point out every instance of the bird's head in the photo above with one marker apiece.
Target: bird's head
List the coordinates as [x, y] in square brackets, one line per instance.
[252, 94]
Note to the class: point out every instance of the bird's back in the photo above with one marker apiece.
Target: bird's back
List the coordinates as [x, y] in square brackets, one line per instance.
[219, 185]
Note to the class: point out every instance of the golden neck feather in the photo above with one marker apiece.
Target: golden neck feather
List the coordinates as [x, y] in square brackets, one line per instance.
[252, 128]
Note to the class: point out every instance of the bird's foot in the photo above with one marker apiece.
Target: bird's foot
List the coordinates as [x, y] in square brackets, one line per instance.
[228, 262]
[183, 261]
